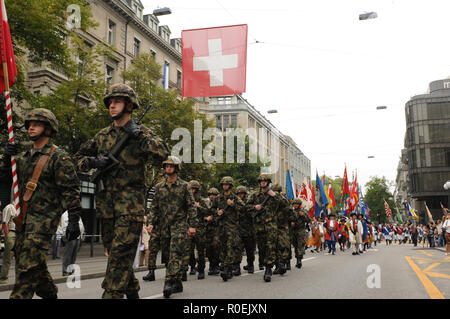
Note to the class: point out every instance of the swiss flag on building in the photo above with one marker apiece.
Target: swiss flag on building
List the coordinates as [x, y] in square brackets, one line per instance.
[214, 61]
[6, 50]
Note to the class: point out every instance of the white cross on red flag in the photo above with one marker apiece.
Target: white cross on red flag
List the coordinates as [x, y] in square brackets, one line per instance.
[6, 48]
[214, 61]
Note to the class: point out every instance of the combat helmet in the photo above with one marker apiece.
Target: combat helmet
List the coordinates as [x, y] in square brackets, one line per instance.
[241, 189]
[227, 180]
[174, 161]
[265, 177]
[297, 201]
[276, 188]
[194, 184]
[42, 115]
[213, 191]
[121, 90]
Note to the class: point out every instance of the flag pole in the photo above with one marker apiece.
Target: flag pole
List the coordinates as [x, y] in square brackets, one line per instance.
[9, 112]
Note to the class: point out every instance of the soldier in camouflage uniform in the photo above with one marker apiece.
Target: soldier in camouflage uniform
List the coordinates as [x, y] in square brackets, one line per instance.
[121, 202]
[174, 206]
[58, 189]
[228, 206]
[298, 225]
[283, 240]
[265, 222]
[246, 231]
[154, 246]
[199, 240]
[212, 235]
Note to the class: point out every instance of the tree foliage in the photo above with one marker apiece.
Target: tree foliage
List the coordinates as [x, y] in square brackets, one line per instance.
[377, 190]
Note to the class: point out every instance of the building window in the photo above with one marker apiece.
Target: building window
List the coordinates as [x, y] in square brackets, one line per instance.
[224, 100]
[234, 120]
[137, 46]
[226, 122]
[37, 92]
[219, 122]
[179, 79]
[153, 54]
[111, 32]
[109, 74]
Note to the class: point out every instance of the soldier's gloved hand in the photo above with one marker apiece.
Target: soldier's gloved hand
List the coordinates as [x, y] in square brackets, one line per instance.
[132, 128]
[11, 149]
[73, 228]
[98, 162]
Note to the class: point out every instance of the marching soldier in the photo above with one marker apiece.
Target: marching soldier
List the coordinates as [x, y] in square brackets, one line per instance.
[265, 204]
[246, 231]
[228, 206]
[174, 208]
[48, 186]
[283, 240]
[154, 245]
[298, 224]
[212, 236]
[121, 202]
[199, 240]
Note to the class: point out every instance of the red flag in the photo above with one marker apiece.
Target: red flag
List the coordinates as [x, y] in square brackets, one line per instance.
[214, 61]
[345, 191]
[331, 195]
[354, 193]
[7, 53]
[387, 209]
[313, 208]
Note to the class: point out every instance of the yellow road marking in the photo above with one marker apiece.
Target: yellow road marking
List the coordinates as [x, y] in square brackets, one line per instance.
[431, 289]
[431, 267]
[439, 275]
[424, 252]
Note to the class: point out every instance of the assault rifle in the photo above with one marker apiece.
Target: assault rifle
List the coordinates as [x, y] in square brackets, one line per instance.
[255, 213]
[97, 175]
[227, 209]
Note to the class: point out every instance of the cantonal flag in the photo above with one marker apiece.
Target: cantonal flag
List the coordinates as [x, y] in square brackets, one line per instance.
[331, 197]
[214, 61]
[7, 53]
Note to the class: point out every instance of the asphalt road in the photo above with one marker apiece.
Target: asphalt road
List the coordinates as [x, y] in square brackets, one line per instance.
[385, 272]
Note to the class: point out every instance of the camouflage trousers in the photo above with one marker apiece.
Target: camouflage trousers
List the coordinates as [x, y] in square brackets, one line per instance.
[283, 245]
[120, 278]
[33, 276]
[230, 245]
[187, 255]
[267, 244]
[154, 246]
[299, 241]
[198, 242]
[177, 242]
[212, 245]
[249, 243]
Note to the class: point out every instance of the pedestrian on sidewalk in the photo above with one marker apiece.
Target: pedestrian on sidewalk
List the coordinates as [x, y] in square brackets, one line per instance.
[446, 229]
[71, 246]
[9, 212]
[56, 241]
[143, 246]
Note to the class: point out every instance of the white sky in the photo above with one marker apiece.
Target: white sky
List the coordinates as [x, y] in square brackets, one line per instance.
[325, 71]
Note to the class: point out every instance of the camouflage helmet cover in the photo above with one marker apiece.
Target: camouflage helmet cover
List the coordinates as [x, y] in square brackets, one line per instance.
[276, 188]
[121, 90]
[241, 189]
[227, 180]
[297, 201]
[213, 191]
[172, 160]
[265, 177]
[42, 115]
[194, 184]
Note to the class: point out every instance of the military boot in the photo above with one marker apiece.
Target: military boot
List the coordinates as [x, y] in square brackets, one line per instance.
[132, 295]
[281, 269]
[288, 265]
[250, 269]
[268, 274]
[150, 276]
[224, 273]
[193, 271]
[299, 263]
[236, 270]
[277, 270]
[201, 274]
[245, 267]
[229, 271]
[261, 267]
[184, 275]
[167, 291]
[177, 286]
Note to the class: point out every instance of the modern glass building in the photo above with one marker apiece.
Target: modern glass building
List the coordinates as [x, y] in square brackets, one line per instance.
[428, 146]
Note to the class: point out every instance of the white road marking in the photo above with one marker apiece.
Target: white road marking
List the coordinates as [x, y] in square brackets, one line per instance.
[154, 296]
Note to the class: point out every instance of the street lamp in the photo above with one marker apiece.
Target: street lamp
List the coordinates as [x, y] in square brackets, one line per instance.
[370, 156]
[368, 15]
[162, 11]
[272, 111]
[382, 107]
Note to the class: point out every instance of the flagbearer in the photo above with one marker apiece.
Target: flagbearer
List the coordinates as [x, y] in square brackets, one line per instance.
[48, 185]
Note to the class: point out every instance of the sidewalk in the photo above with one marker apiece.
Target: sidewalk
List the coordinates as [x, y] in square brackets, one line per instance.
[91, 267]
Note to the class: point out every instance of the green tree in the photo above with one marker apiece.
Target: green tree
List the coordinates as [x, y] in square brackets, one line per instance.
[378, 191]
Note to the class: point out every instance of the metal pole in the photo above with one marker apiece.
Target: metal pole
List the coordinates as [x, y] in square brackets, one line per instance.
[91, 202]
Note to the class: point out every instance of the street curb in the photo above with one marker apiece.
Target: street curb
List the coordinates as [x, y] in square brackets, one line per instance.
[58, 280]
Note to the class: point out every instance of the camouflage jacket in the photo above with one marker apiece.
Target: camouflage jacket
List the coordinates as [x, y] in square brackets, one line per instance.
[124, 193]
[299, 220]
[246, 228]
[230, 219]
[284, 211]
[202, 212]
[270, 207]
[58, 188]
[173, 206]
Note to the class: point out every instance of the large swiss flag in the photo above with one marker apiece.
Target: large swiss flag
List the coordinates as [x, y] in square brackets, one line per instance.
[214, 61]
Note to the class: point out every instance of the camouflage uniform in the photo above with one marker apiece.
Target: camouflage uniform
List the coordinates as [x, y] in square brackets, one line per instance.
[212, 237]
[246, 231]
[174, 207]
[121, 203]
[228, 228]
[58, 189]
[299, 232]
[199, 239]
[283, 241]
